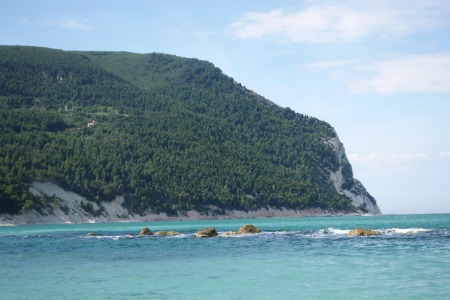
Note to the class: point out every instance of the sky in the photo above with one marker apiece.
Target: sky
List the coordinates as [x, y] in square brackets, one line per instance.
[378, 71]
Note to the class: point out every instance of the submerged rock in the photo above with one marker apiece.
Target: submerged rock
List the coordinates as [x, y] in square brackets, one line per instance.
[145, 231]
[362, 232]
[206, 232]
[167, 233]
[246, 229]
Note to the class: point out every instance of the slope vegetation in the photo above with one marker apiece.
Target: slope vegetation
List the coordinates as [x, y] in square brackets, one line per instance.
[169, 134]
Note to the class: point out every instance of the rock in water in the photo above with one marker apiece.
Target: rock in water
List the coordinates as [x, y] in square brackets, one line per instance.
[206, 232]
[246, 229]
[145, 231]
[362, 232]
[167, 233]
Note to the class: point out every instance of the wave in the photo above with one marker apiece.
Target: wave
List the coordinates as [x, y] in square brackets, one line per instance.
[337, 231]
[112, 237]
[392, 231]
[388, 231]
[132, 236]
[316, 233]
[329, 232]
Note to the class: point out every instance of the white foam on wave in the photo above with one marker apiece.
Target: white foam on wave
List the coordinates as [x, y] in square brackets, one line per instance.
[179, 236]
[392, 231]
[389, 231]
[284, 232]
[337, 231]
[231, 234]
[131, 236]
[320, 233]
[111, 237]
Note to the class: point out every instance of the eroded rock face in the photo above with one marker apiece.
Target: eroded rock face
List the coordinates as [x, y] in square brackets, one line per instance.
[206, 232]
[145, 231]
[362, 232]
[348, 186]
[248, 229]
[167, 233]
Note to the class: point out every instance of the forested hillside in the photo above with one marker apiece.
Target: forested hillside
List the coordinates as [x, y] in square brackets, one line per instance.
[169, 134]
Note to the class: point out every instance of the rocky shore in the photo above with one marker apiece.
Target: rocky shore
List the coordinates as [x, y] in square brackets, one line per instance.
[69, 209]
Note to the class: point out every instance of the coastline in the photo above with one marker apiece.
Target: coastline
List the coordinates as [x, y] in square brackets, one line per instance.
[69, 209]
[35, 218]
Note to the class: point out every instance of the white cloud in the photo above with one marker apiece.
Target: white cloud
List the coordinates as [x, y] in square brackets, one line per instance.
[70, 23]
[333, 64]
[413, 172]
[395, 75]
[113, 16]
[356, 157]
[393, 158]
[342, 21]
[408, 74]
[74, 23]
[405, 157]
[207, 34]
[393, 163]
[279, 53]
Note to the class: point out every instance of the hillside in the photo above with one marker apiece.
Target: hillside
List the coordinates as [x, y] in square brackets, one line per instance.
[170, 135]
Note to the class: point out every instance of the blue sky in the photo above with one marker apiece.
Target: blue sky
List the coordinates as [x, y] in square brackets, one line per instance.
[377, 70]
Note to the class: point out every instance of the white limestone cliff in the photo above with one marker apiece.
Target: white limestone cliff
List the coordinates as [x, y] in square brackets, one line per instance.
[69, 209]
[346, 185]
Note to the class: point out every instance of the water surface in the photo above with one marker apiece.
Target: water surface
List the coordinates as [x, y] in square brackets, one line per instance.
[293, 258]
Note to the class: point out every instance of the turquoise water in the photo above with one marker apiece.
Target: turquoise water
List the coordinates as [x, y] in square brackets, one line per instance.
[294, 258]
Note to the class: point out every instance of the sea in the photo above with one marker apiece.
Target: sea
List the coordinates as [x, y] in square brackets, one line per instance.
[292, 258]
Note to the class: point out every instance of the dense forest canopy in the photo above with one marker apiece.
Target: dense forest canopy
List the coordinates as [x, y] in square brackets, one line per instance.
[170, 134]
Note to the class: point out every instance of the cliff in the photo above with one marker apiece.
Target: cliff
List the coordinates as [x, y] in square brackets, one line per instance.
[70, 207]
[345, 184]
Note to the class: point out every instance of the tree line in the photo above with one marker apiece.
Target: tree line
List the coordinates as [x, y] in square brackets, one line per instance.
[180, 136]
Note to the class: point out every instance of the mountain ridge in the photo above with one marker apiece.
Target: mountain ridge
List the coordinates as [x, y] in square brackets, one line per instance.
[171, 134]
